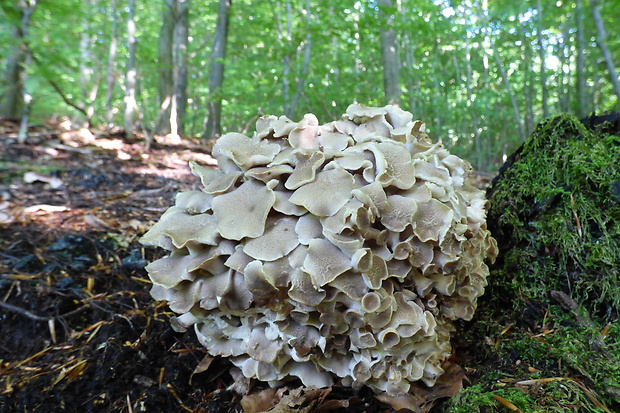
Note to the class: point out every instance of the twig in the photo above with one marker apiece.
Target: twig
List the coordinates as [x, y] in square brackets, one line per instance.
[23, 312]
[582, 317]
[33, 316]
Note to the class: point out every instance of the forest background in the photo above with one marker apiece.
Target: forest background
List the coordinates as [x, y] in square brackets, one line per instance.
[480, 73]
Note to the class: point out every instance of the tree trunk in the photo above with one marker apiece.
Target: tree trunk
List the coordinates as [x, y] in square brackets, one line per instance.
[173, 40]
[563, 105]
[601, 40]
[89, 85]
[130, 77]
[301, 78]
[389, 55]
[412, 89]
[472, 107]
[489, 42]
[111, 63]
[12, 102]
[542, 55]
[179, 59]
[513, 99]
[529, 91]
[165, 69]
[286, 36]
[212, 126]
[582, 99]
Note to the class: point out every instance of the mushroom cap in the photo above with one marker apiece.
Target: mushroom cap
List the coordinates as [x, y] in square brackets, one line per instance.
[338, 251]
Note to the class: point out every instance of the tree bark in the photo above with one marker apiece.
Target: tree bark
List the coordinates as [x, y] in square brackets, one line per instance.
[513, 99]
[173, 41]
[165, 67]
[564, 90]
[286, 36]
[130, 77]
[389, 55]
[582, 99]
[179, 59]
[89, 86]
[472, 107]
[412, 89]
[542, 55]
[12, 102]
[111, 63]
[301, 78]
[212, 124]
[601, 40]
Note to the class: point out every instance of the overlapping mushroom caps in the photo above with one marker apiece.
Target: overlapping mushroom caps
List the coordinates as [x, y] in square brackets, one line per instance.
[343, 250]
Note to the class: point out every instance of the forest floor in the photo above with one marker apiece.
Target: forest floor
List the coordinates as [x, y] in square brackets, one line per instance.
[78, 328]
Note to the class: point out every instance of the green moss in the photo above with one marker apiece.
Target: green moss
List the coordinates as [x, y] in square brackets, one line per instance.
[558, 211]
[556, 215]
[560, 396]
[555, 359]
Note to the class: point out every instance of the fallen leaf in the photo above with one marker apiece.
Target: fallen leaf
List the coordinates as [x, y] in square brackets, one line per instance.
[52, 181]
[260, 401]
[204, 364]
[241, 384]
[45, 208]
[301, 400]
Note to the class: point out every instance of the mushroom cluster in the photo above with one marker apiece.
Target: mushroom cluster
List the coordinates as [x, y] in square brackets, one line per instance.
[320, 251]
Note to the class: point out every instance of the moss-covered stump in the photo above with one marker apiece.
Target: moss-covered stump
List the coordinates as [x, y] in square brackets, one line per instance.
[549, 319]
[556, 214]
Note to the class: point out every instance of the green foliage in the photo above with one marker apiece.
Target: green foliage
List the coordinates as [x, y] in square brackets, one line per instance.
[444, 49]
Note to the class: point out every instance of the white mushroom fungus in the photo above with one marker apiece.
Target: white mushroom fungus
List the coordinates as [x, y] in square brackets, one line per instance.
[339, 251]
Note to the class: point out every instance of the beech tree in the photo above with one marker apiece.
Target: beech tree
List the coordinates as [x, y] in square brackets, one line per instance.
[130, 72]
[389, 53]
[14, 95]
[212, 124]
[601, 41]
[173, 41]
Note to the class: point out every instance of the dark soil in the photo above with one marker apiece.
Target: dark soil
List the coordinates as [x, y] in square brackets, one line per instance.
[78, 328]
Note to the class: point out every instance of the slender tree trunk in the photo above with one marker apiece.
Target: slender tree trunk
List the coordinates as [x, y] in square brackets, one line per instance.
[26, 96]
[529, 90]
[472, 108]
[489, 42]
[596, 87]
[173, 41]
[212, 125]
[543, 57]
[412, 89]
[286, 36]
[130, 77]
[301, 79]
[513, 99]
[165, 69]
[562, 92]
[389, 54]
[89, 85]
[582, 99]
[179, 58]
[437, 89]
[12, 102]
[358, 47]
[111, 64]
[485, 139]
[601, 40]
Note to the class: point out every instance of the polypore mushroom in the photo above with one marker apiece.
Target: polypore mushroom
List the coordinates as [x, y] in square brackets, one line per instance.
[339, 251]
